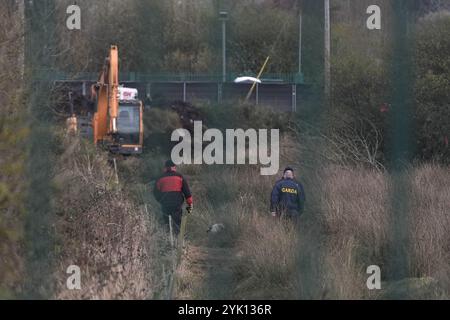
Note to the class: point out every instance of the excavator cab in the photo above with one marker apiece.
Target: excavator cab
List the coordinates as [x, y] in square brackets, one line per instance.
[129, 128]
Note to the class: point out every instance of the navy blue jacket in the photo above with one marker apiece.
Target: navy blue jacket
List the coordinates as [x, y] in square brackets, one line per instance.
[287, 196]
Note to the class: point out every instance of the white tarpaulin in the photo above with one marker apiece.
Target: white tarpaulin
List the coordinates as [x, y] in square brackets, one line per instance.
[246, 80]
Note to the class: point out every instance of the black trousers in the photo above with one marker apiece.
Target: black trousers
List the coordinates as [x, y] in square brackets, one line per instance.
[291, 215]
[176, 214]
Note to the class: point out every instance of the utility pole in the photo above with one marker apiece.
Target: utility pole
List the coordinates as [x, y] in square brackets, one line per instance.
[327, 54]
[223, 17]
[300, 37]
[21, 57]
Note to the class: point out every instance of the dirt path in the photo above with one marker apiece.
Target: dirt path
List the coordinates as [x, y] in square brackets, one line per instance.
[206, 273]
[208, 265]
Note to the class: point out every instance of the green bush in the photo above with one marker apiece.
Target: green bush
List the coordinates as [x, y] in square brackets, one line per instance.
[361, 89]
[433, 87]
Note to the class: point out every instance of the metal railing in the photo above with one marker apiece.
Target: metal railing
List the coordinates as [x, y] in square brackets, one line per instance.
[56, 75]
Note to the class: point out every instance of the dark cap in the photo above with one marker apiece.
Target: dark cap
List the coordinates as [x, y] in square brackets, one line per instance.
[169, 164]
[288, 169]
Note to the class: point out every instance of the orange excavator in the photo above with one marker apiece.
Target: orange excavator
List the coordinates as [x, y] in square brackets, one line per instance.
[117, 121]
[118, 118]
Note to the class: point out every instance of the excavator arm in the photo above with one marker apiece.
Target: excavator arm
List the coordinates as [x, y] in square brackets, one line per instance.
[118, 117]
[104, 122]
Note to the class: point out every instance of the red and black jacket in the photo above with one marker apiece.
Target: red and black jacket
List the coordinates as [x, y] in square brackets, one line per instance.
[171, 189]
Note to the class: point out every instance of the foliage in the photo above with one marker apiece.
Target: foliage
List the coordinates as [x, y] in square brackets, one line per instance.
[13, 135]
[433, 87]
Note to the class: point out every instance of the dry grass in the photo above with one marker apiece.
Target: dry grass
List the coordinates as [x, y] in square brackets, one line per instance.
[347, 227]
[354, 206]
[13, 135]
[268, 266]
[101, 230]
[430, 223]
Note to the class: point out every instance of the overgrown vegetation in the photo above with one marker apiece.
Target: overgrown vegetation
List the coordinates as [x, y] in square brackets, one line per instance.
[362, 101]
[113, 231]
[13, 135]
[346, 228]
[103, 229]
[433, 87]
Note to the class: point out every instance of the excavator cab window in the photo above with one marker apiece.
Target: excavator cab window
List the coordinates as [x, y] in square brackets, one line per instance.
[128, 122]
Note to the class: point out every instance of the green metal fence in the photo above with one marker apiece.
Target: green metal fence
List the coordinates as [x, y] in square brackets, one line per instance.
[52, 75]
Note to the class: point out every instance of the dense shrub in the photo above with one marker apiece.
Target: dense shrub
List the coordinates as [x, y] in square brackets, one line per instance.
[433, 87]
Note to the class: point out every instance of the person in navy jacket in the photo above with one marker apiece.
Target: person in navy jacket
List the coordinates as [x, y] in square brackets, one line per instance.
[288, 196]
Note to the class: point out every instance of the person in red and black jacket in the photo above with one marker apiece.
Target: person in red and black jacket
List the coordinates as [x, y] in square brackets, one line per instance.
[171, 189]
